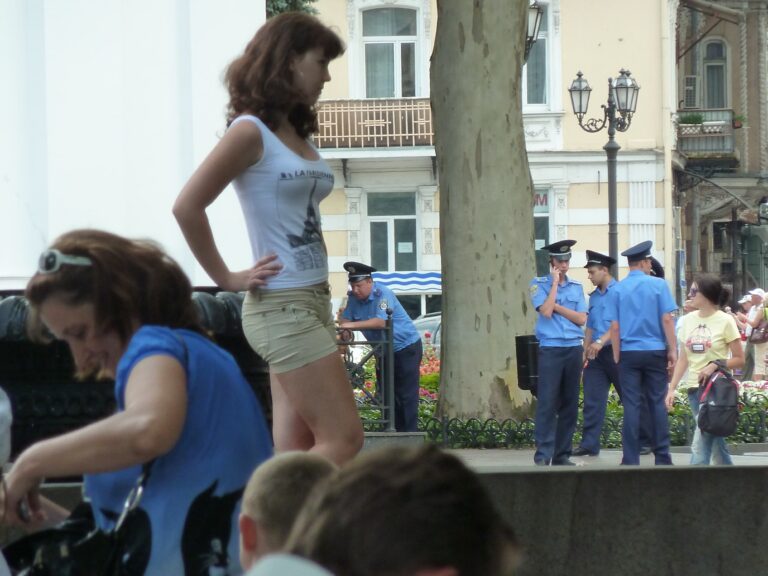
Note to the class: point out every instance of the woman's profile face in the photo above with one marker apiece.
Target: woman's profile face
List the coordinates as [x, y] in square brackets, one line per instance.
[76, 325]
[310, 73]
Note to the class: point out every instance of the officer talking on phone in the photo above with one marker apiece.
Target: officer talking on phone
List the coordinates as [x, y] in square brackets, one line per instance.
[562, 311]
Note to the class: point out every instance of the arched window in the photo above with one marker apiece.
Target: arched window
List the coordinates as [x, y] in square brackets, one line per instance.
[715, 75]
[389, 42]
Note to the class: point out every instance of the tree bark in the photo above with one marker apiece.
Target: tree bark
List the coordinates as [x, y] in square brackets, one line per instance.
[486, 205]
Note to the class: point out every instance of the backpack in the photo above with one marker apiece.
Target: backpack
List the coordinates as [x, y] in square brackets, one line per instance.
[719, 404]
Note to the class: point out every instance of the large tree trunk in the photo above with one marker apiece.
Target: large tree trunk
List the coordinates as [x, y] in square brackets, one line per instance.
[486, 205]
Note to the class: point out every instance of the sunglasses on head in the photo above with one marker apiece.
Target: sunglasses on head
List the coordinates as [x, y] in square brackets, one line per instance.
[52, 260]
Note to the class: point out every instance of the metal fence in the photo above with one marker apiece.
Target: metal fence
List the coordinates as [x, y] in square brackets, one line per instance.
[514, 434]
[377, 406]
[374, 123]
[712, 134]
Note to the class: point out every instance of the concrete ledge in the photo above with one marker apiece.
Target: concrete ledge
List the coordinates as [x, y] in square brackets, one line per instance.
[383, 439]
[647, 521]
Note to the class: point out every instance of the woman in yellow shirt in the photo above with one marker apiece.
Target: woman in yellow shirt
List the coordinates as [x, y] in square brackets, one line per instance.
[706, 335]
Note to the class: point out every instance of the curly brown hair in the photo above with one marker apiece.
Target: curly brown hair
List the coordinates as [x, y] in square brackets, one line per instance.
[129, 281]
[260, 81]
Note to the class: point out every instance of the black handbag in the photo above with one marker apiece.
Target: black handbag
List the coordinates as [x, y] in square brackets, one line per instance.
[76, 547]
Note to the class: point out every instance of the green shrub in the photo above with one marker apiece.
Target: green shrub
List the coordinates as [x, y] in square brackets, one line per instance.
[690, 118]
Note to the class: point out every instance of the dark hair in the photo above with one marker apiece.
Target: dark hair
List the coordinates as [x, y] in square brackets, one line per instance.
[710, 286]
[260, 80]
[398, 510]
[129, 281]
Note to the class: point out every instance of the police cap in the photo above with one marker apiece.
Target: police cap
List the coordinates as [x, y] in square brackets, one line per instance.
[656, 268]
[560, 250]
[597, 259]
[357, 271]
[638, 251]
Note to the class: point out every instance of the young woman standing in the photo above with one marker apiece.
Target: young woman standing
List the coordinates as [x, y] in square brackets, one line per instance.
[280, 180]
[706, 335]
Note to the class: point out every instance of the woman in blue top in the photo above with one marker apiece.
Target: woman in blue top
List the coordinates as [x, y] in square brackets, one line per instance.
[125, 310]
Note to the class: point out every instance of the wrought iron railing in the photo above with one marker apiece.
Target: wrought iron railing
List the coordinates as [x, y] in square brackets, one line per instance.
[705, 132]
[376, 123]
[377, 405]
[514, 434]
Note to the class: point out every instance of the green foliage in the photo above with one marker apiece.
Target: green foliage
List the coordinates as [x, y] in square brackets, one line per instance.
[275, 7]
[430, 382]
[691, 118]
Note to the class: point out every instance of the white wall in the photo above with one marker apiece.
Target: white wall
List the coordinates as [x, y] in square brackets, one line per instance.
[106, 108]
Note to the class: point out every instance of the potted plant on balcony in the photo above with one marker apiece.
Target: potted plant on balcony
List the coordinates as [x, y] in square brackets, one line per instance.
[690, 123]
[738, 121]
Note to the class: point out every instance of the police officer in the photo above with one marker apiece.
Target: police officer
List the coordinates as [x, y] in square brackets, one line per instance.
[643, 338]
[600, 371]
[367, 305]
[560, 303]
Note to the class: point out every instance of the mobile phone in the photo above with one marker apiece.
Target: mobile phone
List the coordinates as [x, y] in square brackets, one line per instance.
[23, 511]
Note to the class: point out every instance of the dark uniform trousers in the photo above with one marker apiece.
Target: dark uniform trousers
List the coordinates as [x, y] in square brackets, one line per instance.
[407, 364]
[557, 407]
[643, 376]
[599, 374]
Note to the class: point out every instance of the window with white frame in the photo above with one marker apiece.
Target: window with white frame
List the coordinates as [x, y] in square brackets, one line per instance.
[392, 228]
[390, 47]
[535, 86]
[715, 74]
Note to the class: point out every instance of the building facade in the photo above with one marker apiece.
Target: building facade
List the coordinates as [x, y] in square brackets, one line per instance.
[376, 130]
[721, 160]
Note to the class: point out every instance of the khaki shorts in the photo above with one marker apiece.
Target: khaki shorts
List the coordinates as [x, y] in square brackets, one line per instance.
[290, 328]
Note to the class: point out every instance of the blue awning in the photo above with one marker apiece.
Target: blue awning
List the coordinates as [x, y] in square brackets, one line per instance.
[411, 282]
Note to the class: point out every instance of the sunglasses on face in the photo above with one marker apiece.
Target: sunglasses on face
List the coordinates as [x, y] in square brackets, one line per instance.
[693, 291]
[52, 260]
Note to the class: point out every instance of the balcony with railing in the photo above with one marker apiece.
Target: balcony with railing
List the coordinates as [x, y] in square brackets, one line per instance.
[378, 123]
[707, 136]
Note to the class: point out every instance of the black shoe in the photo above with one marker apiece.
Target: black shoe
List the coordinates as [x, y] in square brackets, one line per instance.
[645, 450]
[563, 462]
[541, 462]
[583, 452]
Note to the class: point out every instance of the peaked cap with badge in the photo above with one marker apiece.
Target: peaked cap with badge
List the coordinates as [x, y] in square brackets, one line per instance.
[638, 252]
[656, 268]
[560, 250]
[597, 259]
[357, 271]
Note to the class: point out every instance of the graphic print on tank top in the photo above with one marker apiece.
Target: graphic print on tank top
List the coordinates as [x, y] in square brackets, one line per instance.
[298, 188]
[700, 340]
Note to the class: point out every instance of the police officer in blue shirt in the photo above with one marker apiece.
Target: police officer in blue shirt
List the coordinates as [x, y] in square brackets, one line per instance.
[562, 310]
[643, 337]
[600, 370]
[367, 305]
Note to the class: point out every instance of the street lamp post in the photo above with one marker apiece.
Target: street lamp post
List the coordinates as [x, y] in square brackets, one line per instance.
[535, 13]
[622, 99]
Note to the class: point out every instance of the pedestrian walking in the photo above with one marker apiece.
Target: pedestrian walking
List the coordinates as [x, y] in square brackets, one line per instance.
[643, 339]
[559, 301]
[368, 305]
[708, 337]
[280, 180]
[753, 318]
